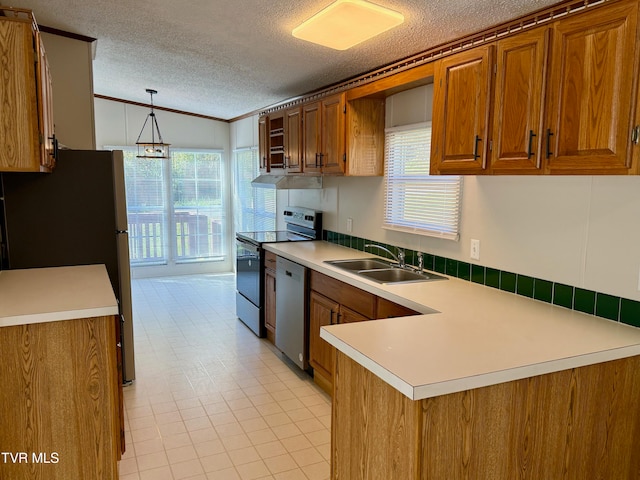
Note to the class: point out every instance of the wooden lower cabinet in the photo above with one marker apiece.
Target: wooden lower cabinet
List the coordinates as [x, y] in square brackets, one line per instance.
[577, 424]
[332, 301]
[346, 315]
[270, 295]
[322, 312]
[389, 309]
[59, 401]
[270, 304]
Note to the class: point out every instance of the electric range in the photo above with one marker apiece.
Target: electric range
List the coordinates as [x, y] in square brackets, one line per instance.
[302, 224]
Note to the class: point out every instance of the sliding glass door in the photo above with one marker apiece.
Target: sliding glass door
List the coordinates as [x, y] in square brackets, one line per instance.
[176, 208]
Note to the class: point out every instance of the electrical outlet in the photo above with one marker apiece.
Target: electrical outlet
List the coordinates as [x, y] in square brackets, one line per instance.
[349, 225]
[639, 280]
[475, 249]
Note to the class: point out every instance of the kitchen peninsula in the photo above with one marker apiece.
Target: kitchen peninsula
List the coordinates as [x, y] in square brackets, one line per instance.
[60, 401]
[494, 385]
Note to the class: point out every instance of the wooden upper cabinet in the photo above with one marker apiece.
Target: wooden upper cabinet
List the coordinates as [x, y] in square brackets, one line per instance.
[592, 91]
[332, 154]
[365, 137]
[324, 136]
[461, 101]
[27, 137]
[293, 140]
[311, 124]
[275, 131]
[518, 129]
[263, 144]
[49, 145]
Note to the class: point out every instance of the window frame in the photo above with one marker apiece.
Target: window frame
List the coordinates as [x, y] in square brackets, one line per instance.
[263, 219]
[169, 242]
[404, 214]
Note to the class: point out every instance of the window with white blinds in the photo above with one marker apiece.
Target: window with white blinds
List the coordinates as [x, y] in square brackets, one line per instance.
[415, 201]
[255, 207]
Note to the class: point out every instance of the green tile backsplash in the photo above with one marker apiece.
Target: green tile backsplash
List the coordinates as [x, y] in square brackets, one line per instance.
[524, 285]
[492, 277]
[563, 295]
[508, 281]
[595, 303]
[584, 301]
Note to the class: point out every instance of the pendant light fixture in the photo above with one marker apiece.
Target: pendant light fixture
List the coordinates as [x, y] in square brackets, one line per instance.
[346, 23]
[156, 148]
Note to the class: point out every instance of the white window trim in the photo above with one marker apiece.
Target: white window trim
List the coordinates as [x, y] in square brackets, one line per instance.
[445, 215]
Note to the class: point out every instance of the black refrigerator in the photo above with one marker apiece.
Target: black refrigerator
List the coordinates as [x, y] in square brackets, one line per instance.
[75, 215]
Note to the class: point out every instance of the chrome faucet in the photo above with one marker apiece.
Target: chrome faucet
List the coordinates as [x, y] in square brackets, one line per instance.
[398, 258]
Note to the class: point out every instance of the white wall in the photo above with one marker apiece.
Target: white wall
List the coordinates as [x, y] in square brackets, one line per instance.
[244, 133]
[70, 63]
[580, 230]
[119, 124]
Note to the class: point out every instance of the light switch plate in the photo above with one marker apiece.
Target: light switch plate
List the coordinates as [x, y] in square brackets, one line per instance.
[475, 249]
[349, 225]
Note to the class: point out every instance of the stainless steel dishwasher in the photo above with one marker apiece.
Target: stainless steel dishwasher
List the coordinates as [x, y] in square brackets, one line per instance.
[290, 307]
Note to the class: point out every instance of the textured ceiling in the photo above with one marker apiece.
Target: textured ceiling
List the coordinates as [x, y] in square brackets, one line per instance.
[229, 58]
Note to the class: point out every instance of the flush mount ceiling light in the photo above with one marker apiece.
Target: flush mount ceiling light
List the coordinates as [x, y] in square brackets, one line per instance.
[346, 23]
[153, 149]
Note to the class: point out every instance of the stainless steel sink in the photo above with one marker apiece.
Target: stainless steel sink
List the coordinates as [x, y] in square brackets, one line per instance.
[383, 272]
[360, 264]
[399, 275]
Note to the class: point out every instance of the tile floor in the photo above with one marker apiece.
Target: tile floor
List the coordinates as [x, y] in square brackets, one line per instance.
[211, 400]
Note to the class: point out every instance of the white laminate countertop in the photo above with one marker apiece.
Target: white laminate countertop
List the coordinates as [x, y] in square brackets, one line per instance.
[475, 335]
[38, 295]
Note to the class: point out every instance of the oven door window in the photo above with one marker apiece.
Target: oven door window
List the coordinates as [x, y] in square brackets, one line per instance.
[248, 271]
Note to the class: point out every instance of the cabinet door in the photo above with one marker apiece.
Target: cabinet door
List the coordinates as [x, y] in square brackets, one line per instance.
[311, 138]
[45, 110]
[519, 98]
[270, 304]
[293, 140]
[333, 154]
[346, 315]
[263, 144]
[364, 137]
[322, 311]
[19, 135]
[461, 112]
[591, 88]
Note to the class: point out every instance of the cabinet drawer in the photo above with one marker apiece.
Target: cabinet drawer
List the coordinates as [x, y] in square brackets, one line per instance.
[270, 260]
[347, 295]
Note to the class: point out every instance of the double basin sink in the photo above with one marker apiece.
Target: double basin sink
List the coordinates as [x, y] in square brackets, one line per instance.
[383, 272]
